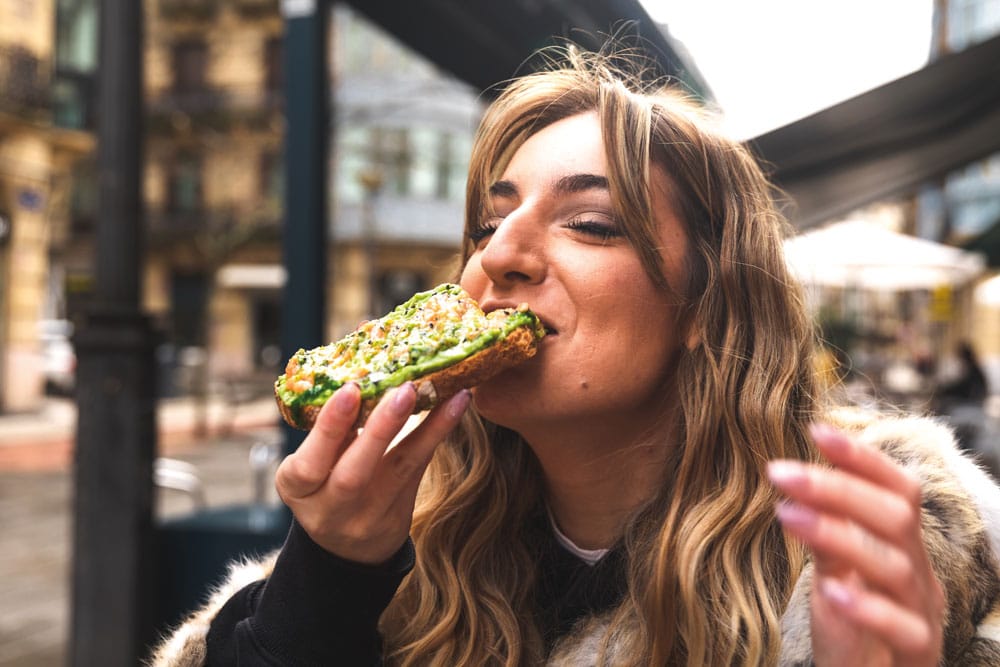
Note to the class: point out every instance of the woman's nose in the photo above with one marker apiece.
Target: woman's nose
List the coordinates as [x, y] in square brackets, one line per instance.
[515, 251]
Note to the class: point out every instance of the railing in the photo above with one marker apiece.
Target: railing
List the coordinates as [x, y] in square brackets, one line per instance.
[258, 8]
[203, 10]
[222, 225]
[218, 103]
[198, 10]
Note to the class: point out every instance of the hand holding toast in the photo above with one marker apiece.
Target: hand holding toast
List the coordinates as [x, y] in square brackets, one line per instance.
[875, 598]
[352, 494]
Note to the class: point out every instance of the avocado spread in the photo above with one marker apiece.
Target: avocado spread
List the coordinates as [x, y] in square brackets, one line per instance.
[431, 331]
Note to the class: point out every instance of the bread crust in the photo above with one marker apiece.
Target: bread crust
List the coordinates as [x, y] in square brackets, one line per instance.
[516, 347]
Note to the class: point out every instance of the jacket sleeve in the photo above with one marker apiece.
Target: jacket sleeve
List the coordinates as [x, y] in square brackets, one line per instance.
[307, 607]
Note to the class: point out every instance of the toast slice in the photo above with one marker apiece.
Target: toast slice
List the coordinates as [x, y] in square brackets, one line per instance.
[439, 339]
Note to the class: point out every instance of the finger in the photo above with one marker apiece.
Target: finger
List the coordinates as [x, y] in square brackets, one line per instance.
[865, 461]
[357, 466]
[907, 632]
[840, 546]
[408, 461]
[305, 471]
[879, 510]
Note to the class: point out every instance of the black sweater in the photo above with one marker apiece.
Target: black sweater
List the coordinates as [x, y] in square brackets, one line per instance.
[317, 609]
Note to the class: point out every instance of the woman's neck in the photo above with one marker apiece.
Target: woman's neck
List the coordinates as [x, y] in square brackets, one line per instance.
[592, 494]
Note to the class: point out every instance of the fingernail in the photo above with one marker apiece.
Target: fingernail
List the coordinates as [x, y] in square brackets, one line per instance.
[786, 473]
[459, 403]
[403, 398]
[795, 516]
[345, 400]
[836, 592]
[819, 430]
[827, 437]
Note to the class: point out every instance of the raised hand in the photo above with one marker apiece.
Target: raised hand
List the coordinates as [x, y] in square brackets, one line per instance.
[875, 598]
[348, 490]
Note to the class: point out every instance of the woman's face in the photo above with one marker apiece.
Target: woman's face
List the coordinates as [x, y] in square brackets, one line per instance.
[556, 245]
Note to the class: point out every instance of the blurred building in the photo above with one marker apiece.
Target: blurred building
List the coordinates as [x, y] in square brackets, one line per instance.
[213, 181]
[964, 207]
[37, 159]
[402, 135]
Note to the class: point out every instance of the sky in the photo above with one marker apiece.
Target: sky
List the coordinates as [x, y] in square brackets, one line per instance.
[770, 62]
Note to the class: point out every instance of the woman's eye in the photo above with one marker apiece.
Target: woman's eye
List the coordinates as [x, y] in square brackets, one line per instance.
[605, 231]
[483, 230]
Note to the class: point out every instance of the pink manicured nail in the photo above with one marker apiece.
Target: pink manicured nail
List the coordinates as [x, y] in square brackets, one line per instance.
[827, 437]
[459, 403]
[785, 473]
[795, 516]
[402, 399]
[820, 430]
[345, 401]
[836, 592]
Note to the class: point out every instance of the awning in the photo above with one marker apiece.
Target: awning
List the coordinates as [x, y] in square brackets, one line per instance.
[886, 142]
[485, 42]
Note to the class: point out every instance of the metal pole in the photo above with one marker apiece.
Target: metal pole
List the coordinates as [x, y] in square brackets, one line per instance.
[371, 181]
[112, 575]
[307, 145]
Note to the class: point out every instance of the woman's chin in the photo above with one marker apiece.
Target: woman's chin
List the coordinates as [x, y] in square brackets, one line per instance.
[503, 399]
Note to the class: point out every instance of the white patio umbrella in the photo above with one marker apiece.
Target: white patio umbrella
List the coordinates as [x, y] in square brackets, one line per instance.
[864, 255]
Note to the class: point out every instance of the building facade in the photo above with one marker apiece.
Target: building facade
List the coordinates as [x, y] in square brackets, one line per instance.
[966, 203]
[37, 160]
[214, 172]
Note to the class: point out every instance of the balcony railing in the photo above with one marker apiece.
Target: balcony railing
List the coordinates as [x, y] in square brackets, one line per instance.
[196, 10]
[24, 81]
[216, 106]
[258, 8]
[222, 226]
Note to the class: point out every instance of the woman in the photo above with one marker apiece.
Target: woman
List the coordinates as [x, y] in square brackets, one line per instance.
[613, 501]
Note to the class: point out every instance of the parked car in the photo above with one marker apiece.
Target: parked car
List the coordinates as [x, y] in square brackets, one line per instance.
[58, 356]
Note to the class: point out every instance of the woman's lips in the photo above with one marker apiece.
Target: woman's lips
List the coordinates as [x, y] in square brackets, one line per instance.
[490, 306]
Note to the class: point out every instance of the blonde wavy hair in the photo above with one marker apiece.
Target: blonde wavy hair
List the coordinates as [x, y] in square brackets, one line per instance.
[709, 570]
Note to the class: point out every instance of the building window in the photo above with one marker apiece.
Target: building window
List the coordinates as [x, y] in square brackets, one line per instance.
[76, 35]
[392, 153]
[274, 66]
[351, 158]
[189, 298]
[272, 177]
[84, 194]
[265, 316]
[190, 61]
[184, 188]
[396, 286]
[438, 165]
[424, 172]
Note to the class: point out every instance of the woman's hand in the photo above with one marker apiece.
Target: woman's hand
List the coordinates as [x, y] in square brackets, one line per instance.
[875, 598]
[352, 496]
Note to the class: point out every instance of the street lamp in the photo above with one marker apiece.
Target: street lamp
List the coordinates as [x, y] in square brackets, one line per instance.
[371, 180]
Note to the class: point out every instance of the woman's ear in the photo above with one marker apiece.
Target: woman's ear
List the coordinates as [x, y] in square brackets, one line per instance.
[689, 323]
[693, 338]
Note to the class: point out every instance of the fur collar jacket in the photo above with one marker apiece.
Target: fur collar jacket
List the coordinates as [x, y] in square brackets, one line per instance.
[961, 523]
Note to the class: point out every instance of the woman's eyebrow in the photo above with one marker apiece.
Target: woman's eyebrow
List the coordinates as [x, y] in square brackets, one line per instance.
[581, 182]
[567, 185]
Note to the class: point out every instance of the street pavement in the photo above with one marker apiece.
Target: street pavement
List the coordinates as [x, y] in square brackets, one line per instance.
[36, 503]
